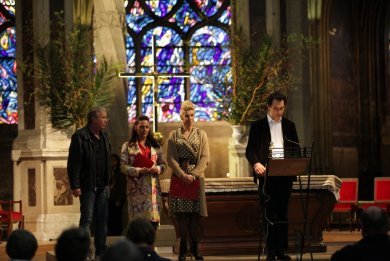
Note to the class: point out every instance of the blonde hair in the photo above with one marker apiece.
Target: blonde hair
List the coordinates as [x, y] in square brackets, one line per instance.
[186, 106]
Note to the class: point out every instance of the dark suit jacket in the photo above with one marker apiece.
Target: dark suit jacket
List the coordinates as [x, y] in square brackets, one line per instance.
[259, 141]
[375, 247]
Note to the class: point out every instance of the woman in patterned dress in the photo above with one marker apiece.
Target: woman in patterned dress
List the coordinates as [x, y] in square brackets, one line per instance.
[188, 156]
[142, 162]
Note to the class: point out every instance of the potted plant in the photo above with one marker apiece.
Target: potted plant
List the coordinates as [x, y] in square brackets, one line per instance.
[256, 72]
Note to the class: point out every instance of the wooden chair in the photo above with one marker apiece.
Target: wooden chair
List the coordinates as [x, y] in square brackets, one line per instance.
[10, 214]
[348, 201]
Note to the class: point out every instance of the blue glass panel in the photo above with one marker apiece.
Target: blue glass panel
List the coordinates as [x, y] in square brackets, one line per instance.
[185, 17]
[147, 97]
[170, 59]
[160, 7]
[226, 16]
[8, 89]
[210, 65]
[209, 7]
[130, 54]
[8, 43]
[170, 95]
[210, 36]
[164, 37]
[8, 84]
[131, 99]
[169, 51]
[2, 18]
[9, 5]
[209, 60]
[136, 19]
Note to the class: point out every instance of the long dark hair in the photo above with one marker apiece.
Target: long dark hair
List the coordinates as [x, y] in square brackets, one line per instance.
[150, 141]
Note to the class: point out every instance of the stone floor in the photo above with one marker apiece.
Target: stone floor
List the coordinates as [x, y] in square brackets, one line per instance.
[334, 240]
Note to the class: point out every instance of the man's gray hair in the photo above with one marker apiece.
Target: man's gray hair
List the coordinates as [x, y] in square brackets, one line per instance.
[93, 113]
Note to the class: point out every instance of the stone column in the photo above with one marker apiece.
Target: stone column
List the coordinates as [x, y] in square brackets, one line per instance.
[39, 153]
[109, 26]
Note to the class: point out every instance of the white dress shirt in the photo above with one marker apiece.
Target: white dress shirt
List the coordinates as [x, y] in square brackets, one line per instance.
[276, 145]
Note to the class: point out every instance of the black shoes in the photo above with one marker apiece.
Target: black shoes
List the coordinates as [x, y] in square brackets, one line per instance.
[183, 251]
[195, 252]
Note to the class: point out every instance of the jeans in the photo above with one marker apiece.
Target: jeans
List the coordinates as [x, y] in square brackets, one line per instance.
[94, 206]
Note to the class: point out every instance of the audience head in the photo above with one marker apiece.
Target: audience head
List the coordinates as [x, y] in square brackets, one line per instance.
[21, 244]
[73, 244]
[122, 250]
[141, 231]
[374, 220]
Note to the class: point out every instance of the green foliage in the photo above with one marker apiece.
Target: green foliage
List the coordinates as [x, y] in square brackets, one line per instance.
[258, 71]
[70, 83]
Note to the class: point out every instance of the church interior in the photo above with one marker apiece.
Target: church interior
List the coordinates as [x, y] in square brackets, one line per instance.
[338, 97]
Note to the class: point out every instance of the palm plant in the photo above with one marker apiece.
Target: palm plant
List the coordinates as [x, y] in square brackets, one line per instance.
[71, 83]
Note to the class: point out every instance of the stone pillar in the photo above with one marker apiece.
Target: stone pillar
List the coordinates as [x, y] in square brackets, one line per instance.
[108, 24]
[272, 14]
[39, 153]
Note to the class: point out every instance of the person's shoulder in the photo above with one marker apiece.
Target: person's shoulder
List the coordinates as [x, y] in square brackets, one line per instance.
[173, 133]
[287, 121]
[150, 254]
[81, 133]
[126, 144]
[259, 122]
[202, 132]
[346, 253]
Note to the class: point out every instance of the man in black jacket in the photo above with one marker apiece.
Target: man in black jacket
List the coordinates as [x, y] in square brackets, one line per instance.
[272, 136]
[375, 244]
[89, 168]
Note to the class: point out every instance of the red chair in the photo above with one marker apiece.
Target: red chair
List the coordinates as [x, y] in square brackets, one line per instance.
[10, 215]
[348, 200]
[382, 193]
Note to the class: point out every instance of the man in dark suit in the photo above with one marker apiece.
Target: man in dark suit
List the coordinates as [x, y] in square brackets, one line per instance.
[375, 244]
[272, 136]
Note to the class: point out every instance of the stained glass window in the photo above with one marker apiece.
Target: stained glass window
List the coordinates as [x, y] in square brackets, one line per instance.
[191, 37]
[8, 86]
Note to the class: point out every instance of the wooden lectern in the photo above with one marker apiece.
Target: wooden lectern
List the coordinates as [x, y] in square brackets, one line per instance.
[295, 162]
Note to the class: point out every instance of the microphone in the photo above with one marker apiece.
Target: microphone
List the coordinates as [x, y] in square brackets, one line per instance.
[291, 141]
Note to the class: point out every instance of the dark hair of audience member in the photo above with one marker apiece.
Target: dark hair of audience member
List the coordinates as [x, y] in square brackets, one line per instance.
[21, 244]
[122, 250]
[141, 231]
[374, 221]
[73, 244]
